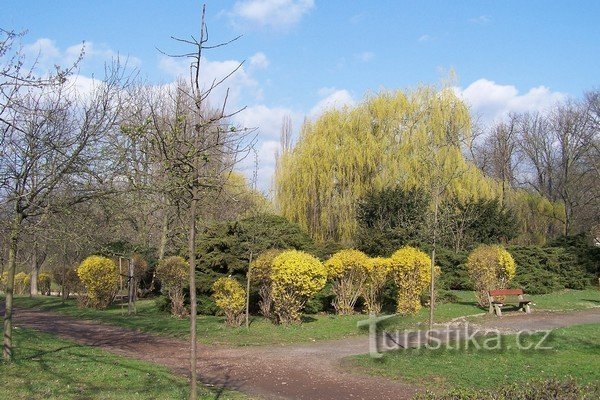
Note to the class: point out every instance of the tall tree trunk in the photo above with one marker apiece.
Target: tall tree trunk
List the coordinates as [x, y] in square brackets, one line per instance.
[192, 256]
[10, 285]
[432, 284]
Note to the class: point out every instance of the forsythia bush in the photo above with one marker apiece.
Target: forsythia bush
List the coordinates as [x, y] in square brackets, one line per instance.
[21, 283]
[411, 270]
[260, 272]
[490, 267]
[377, 270]
[172, 273]
[230, 297]
[100, 277]
[348, 271]
[44, 283]
[295, 277]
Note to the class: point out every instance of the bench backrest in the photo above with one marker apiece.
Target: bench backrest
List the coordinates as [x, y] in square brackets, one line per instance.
[506, 292]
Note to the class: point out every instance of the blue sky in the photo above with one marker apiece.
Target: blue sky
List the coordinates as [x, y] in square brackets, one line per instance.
[304, 56]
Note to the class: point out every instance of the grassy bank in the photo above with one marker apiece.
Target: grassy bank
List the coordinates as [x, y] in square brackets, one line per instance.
[572, 352]
[46, 367]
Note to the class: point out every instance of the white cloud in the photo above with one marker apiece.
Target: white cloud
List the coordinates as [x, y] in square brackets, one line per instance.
[425, 38]
[365, 56]
[47, 55]
[492, 101]
[272, 13]
[259, 60]
[267, 120]
[333, 98]
[43, 48]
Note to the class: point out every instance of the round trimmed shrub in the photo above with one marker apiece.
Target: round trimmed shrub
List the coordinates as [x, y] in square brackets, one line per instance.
[296, 276]
[377, 271]
[348, 271]
[44, 283]
[260, 273]
[100, 277]
[230, 297]
[172, 273]
[490, 267]
[22, 281]
[410, 269]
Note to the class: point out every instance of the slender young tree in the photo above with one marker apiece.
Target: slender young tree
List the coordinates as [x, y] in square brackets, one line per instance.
[198, 147]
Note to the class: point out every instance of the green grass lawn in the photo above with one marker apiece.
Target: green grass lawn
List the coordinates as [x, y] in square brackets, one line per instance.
[575, 352]
[212, 330]
[46, 367]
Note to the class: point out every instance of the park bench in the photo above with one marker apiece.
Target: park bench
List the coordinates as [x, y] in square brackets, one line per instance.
[502, 297]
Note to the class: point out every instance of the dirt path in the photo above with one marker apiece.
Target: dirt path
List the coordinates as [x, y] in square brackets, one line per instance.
[309, 371]
[300, 371]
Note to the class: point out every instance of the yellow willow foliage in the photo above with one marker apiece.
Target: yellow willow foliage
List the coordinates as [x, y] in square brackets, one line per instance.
[100, 276]
[348, 271]
[378, 270]
[539, 217]
[490, 267]
[393, 138]
[411, 270]
[230, 297]
[296, 276]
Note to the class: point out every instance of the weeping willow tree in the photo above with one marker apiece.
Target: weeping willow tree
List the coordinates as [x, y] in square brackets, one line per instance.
[407, 139]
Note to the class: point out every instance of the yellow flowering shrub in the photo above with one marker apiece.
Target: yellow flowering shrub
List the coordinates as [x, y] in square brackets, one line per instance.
[296, 276]
[172, 273]
[100, 277]
[411, 270]
[22, 281]
[490, 267]
[347, 269]
[260, 273]
[377, 271]
[230, 297]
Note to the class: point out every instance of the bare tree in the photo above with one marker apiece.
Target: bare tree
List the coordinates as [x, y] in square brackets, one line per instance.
[50, 137]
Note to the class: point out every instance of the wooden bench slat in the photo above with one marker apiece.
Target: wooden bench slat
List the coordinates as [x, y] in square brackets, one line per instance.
[506, 292]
